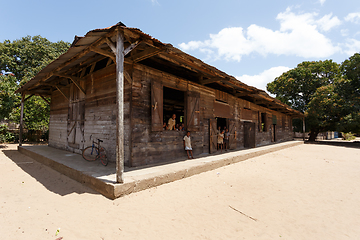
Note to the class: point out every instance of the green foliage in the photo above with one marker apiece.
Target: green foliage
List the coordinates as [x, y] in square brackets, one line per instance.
[348, 136]
[5, 135]
[8, 99]
[309, 88]
[327, 93]
[24, 58]
[349, 90]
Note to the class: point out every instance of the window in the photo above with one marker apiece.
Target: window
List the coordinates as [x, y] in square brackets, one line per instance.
[173, 103]
[262, 122]
[166, 101]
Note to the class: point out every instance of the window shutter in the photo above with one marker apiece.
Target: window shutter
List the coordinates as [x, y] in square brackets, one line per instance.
[193, 111]
[213, 135]
[156, 106]
[259, 121]
[232, 131]
[274, 119]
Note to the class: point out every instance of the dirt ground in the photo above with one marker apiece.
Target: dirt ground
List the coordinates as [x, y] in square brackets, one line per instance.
[309, 191]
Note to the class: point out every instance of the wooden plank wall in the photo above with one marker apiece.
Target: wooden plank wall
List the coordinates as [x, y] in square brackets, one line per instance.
[100, 113]
[58, 119]
[152, 147]
[143, 146]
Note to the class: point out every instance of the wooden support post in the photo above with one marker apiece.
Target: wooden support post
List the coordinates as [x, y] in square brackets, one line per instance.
[303, 129]
[120, 107]
[21, 118]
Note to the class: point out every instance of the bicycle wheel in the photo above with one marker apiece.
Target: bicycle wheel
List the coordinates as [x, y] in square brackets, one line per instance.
[103, 157]
[90, 153]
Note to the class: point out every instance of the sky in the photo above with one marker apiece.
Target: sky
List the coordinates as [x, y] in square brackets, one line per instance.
[254, 41]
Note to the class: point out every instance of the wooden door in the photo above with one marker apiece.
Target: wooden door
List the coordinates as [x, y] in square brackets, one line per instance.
[156, 106]
[232, 131]
[76, 117]
[193, 111]
[249, 134]
[273, 133]
[213, 135]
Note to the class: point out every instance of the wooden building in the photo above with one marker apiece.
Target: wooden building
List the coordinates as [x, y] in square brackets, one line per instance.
[120, 85]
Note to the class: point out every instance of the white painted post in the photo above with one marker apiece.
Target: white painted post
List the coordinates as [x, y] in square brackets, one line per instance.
[21, 118]
[120, 107]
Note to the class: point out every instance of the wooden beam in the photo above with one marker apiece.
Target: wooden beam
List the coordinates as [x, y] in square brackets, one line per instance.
[145, 54]
[111, 45]
[28, 97]
[131, 47]
[209, 80]
[47, 101]
[76, 57]
[75, 80]
[109, 62]
[169, 59]
[103, 52]
[242, 94]
[127, 77]
[62, 92]
[120, 107]
[21, 118]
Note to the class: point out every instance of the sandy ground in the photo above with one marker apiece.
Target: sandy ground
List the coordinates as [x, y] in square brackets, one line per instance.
[304, 192]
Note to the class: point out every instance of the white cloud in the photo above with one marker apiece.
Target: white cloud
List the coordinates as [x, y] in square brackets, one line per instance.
[353, 46]
[322, 2]
[353, 17]
[260, 80]
[298, 36]
[155, 2]
[344, 32]
[327, 22]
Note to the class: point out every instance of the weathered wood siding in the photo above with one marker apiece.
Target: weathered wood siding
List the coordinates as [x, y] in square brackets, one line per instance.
[100, 113]
[142, 145]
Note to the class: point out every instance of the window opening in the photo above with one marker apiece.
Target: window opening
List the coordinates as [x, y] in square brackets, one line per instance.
[173, 103]
[100, 64]
[262, 122]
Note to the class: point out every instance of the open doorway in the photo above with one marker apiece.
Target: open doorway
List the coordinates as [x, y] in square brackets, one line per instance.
[173, 103]
[221, 122]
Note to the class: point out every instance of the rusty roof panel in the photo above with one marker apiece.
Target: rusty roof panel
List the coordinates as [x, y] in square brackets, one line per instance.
[81, 43]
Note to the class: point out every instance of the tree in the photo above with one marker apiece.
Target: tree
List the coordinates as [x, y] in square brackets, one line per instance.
[303, 88]
[24, 58]
[349, 90]
[8, 99]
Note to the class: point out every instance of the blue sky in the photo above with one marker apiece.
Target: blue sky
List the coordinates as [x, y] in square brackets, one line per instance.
[254, 41]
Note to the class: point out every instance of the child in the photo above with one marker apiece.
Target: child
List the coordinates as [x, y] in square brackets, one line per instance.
[221, 140]
[187, 144]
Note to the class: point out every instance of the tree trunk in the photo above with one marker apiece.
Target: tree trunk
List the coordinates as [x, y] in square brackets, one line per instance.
[313, 135]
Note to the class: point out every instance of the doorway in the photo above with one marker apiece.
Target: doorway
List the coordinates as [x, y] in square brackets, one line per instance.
[249, 134]
[273, 133]
[221, 122]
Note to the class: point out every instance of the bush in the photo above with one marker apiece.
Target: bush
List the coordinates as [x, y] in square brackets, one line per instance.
[348, 136]
[5, 135]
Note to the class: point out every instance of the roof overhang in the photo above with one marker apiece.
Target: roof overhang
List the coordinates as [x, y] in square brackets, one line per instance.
[144, 49]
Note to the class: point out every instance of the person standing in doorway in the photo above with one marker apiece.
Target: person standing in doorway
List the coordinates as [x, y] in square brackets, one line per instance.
[172, 122]
[221, 140]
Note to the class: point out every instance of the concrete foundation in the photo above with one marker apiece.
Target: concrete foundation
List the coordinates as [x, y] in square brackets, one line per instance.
[103, 179]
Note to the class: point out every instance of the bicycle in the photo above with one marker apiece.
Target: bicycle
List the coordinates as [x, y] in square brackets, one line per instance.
[94, 152]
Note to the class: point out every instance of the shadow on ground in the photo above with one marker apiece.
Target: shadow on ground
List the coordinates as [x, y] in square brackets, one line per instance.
[49, 178]
[355, 144]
